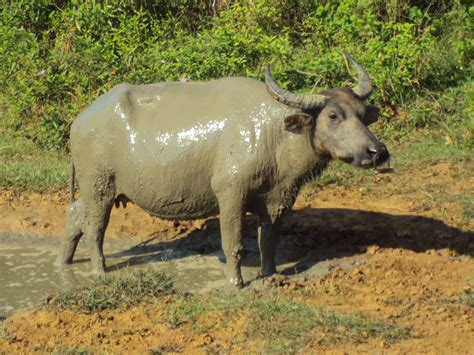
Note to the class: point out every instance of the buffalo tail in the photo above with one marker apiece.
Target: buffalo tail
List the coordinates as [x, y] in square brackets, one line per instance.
[72, 184]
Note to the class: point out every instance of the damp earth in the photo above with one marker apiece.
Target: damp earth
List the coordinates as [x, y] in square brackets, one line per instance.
[194, 260]
[391, 249]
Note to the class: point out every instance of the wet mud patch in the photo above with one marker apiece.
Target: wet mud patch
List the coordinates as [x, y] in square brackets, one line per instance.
[314, 241]
[195, 261]
[28, 275]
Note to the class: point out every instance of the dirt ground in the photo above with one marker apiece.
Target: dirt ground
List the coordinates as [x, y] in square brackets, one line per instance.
[417, 270]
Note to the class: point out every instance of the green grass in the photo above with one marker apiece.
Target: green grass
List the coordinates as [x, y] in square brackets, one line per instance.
[281, 324]
[114, 290]
[185, 309]
[73, 351]
[286, 326]
[278, 323]
[25, 166]
[467, 297]
[465, 199]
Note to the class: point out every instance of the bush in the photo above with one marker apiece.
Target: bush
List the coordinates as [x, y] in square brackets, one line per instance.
[57, 56]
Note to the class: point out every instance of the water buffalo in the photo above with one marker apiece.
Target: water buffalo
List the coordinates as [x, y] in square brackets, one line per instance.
[227, 147]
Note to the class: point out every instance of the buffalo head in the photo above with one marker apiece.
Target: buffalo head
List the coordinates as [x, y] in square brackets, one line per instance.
[338, 119]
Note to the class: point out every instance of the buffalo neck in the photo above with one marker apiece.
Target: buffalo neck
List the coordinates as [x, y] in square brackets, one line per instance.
[297, 160]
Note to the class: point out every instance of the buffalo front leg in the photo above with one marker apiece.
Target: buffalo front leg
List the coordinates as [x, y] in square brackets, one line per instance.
[72, 233]
[231, 220]
[268, 237]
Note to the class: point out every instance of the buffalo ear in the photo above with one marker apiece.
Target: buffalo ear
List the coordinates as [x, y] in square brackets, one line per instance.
[371, 115]
[299, 123]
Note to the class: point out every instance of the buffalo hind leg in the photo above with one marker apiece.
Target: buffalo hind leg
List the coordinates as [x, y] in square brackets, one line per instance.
[72, 234]
[97, 220]
[268, 237]
[231, 220]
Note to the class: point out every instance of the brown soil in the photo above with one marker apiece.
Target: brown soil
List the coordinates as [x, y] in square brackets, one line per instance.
[416, 266]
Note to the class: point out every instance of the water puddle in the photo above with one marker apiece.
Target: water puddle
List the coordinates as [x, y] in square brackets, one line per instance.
[27, 273]
[28, 276]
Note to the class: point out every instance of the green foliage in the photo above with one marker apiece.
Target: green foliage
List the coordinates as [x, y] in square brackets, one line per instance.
[24, 166]
[57, 56]
[124, 288]
[452, 111]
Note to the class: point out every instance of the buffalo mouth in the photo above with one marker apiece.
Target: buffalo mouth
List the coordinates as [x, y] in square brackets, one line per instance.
[383, 169]
[375, 162]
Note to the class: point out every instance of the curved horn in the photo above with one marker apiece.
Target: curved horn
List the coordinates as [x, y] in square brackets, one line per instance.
[304, 102]
[365, 87]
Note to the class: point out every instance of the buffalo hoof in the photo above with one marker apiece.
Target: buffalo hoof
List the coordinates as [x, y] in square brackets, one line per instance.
[236, 282]
[99, 269]
[268, 271]
[61, 262]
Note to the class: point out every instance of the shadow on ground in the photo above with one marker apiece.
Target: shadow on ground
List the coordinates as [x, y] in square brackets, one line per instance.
[312, 235]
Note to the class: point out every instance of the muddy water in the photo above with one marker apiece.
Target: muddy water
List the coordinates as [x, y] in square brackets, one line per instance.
[28, 276]
[27, 273]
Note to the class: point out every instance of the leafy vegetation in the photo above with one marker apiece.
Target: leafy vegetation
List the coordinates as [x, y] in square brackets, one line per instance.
[57, 56]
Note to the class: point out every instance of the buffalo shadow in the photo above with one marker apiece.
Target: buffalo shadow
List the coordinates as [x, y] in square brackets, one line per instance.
[311, 235]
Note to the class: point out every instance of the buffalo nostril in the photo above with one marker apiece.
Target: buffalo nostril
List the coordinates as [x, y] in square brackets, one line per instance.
[383, 154]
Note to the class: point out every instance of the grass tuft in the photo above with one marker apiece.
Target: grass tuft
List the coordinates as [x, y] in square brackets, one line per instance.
[3, 331]
[119, 289]
[73, 351]
[467, 297]
[185, 309]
